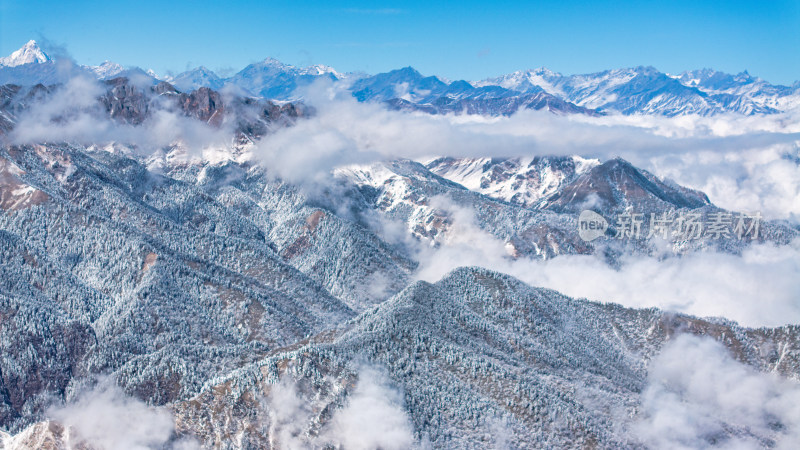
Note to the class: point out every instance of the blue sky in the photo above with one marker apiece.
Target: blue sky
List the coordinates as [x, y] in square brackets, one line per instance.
[466, 39]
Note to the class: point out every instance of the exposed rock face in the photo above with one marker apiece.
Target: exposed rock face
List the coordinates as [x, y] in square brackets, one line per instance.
[616, 185]
[204, 104]
[125, 102]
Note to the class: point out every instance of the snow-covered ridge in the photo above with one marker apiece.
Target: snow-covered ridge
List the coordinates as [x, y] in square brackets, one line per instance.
[523, 181]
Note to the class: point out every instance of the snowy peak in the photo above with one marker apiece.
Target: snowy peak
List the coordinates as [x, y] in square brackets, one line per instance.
[531, 80]
[712, 79]
[321, 69]
[646, 90]
[197, 78]
[107, 70]
[630, 90]
[29, 53]
[275, 63]
[274, 79]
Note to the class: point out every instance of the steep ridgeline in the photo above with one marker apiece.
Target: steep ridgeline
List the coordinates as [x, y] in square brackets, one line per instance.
[532, 206]
[476, 360]
[163, 279]
[636, 90]
[482, 361]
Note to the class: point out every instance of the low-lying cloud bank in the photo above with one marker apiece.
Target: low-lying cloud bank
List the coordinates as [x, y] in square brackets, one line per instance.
[743, 163]
[759, 288]
[698, 396]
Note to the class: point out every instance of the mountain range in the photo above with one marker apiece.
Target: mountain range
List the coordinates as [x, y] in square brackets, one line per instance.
[197, 287]
[637, 90]
[164, 298]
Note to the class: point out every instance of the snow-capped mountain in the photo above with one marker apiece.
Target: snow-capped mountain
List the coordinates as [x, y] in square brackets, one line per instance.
[475, 360]
[638, 90]
[30, 65]
[195, 79]
[526, 81]
[198, 285]
[271, 78]
[29, 53]
[407, 89]
[645, 90]
[743, 86]
[540, 223]
[107, 70]
[482, 361]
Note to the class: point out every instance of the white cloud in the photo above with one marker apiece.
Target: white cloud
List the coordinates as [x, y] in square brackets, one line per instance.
[289, 415]
[72, 114]
[698, 396]
[373, 417]
[105, 417]
[759, 288]
[739, 160]
[761, 179]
